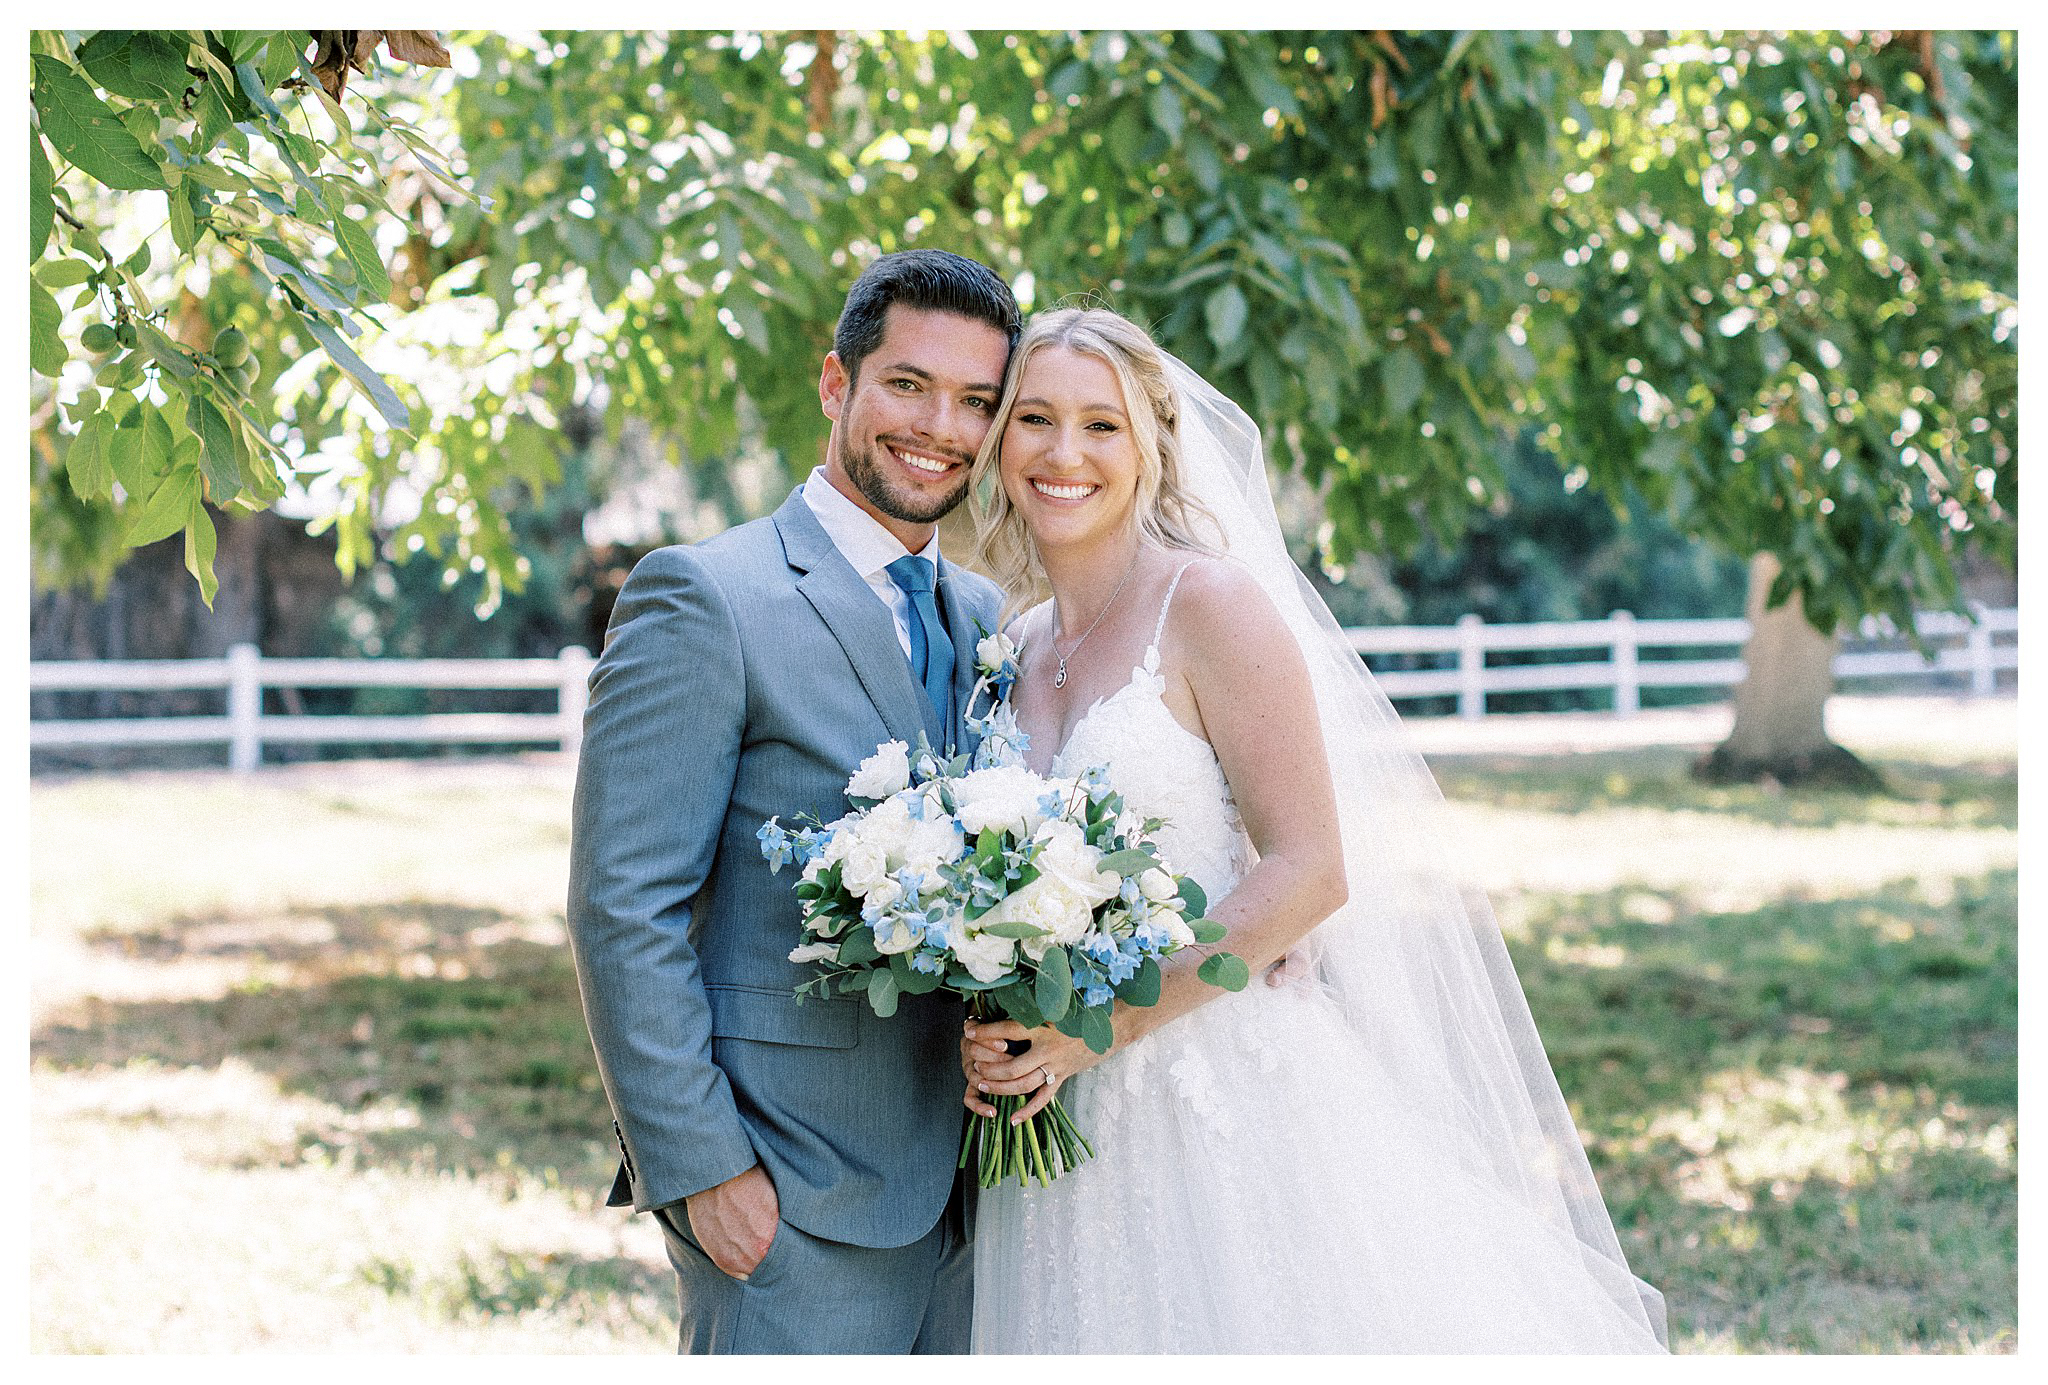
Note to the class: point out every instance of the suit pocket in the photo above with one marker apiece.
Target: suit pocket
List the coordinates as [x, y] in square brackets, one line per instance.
[776, 1017]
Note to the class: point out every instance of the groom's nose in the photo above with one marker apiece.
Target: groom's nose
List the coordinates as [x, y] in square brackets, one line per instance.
[948, 423]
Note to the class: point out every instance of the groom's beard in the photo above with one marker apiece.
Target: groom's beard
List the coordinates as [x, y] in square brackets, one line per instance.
[867, 476]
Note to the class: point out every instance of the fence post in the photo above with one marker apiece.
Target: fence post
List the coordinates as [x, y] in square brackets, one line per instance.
[1983, 673]
[1471, 666]
[1628, 695]
[575, 696]
[245, 708]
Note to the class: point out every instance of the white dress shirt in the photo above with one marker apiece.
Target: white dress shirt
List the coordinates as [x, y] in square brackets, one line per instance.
[863, 542]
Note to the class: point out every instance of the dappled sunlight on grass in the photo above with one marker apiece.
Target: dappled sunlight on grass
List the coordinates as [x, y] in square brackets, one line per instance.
[320, 1034]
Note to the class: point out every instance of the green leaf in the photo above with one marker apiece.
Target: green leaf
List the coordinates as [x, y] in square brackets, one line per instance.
[1013, 930]
[125, 444]
[1193, 897]
[83, 130]
[1401, 379]
[1167, 112]
[859, 946]
[1226, 312]
[372, 283]
[1096, 1030]
[46, 353]
[221, 463]
[164, 351]
[42, 205]
[184, 216]
[252, 87]
[199, 547]
[60, 274]
[140, 64]
[88, 461]
[387, 402]
[1018, 1004]
[1207, 931]
[1225, 969]
[168, 509]
[1055, 985]
[909, 979]
[137, 469]
[1130, 861]
[882, 993]
[1142, 988]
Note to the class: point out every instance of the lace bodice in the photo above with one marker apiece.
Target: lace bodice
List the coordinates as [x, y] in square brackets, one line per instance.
[1165, 771]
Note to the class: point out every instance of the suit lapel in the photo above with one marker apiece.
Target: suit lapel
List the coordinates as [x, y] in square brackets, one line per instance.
[855, 617]
[960, 623]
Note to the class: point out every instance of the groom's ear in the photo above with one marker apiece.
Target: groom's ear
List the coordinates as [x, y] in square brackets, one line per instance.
[832, 386]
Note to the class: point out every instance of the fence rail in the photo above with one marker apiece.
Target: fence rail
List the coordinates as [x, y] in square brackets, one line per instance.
[1621, 655]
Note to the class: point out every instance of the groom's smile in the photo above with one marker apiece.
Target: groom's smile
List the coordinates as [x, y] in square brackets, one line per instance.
[906, 427]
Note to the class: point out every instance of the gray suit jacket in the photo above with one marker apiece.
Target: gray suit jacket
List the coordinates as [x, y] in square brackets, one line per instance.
[742, 678]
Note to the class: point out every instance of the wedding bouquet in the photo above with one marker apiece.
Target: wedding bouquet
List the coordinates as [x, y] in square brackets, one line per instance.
[1034, 896]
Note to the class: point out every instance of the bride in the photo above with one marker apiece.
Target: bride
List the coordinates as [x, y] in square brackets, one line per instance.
[1371, 1154]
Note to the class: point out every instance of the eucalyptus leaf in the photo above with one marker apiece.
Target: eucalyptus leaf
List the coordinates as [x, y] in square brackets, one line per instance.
[1225, 969]
[882, 993]
[1054, 989]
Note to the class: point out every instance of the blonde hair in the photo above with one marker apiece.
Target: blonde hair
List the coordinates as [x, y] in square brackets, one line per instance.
[1167, 515]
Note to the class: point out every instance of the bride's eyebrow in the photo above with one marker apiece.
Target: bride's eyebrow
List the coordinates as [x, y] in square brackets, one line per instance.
[1034, 402]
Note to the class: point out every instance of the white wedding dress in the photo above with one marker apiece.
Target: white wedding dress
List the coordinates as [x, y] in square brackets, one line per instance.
[1261, 1182]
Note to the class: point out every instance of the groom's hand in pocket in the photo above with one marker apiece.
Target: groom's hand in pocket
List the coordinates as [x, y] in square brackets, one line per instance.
[735, 1221]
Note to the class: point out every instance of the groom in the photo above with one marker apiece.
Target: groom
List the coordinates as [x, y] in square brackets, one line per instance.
[799, 1158]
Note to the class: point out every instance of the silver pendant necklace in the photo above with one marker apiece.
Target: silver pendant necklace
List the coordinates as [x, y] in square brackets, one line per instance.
[1059, 677]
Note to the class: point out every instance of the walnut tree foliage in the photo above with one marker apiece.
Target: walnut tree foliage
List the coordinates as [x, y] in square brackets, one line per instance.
[1765, 282]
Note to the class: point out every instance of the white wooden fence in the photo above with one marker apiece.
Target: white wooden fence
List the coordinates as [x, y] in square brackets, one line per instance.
[1625, 655]
[1621, 654]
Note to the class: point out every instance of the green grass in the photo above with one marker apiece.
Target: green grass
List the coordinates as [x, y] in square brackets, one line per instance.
[309, 1069]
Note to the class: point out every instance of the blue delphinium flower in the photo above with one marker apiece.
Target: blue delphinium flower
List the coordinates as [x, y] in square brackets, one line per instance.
[775, 845]
[1096, 991]
[806, 843]
[1052, 803]
[929, 962]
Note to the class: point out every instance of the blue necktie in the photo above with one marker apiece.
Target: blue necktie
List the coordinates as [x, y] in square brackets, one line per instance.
[931, 649]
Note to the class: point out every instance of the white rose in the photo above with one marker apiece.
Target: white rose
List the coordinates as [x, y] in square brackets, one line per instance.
[1176, 928]
[995, 650]
[815, 952]
[1004, 797]
[1158, 886]
[986, 956]
[1066, 857]
[882, 894]
[864, 867]
[885, 772]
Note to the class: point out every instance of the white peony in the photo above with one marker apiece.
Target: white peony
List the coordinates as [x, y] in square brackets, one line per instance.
[1060, 915]
[1065, 856]
[932, 843]
[1004, 797]
[885, 772]
[986, 956]
[887, 827]
[1158, 886]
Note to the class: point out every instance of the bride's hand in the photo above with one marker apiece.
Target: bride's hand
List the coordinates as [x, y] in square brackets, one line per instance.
[993, 1067]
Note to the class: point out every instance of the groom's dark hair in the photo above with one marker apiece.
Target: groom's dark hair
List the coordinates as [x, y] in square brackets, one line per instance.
[937, 280]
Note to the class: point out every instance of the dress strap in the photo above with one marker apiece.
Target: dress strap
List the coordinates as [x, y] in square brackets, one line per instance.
[1172, 587]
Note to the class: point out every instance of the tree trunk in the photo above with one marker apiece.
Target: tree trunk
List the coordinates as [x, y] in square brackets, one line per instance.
[1780, 732]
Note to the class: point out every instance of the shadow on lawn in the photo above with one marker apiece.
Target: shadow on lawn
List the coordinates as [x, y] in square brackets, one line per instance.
[1803, 1115]
[1979, 794]
[1791, 1109]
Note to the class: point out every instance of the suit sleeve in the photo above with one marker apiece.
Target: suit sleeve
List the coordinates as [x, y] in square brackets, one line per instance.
[661, 745]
